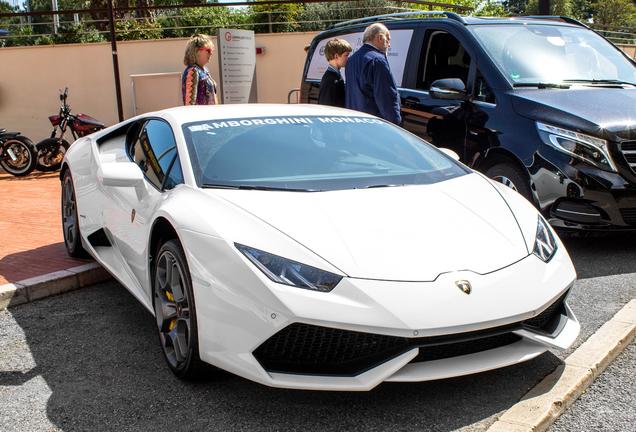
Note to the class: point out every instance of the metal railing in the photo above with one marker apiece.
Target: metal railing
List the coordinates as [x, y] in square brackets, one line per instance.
[170, 21]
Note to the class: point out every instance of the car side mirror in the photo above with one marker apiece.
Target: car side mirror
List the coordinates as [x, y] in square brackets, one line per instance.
[120, 174]
[450, 153]
[448, 88]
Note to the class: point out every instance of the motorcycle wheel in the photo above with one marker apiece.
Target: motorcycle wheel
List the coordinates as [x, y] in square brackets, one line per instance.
[50, 154]
[25, 153]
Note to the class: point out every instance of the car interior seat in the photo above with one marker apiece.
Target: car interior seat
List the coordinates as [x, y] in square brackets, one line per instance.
[446, 59]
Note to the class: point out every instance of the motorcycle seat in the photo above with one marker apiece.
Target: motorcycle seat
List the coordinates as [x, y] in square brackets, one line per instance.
[88, 120]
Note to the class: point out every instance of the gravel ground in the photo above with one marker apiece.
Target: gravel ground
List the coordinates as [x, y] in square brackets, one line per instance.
[609, 405]
[90, 360]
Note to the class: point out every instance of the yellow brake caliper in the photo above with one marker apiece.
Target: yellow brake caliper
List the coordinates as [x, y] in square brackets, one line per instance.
[174, 320]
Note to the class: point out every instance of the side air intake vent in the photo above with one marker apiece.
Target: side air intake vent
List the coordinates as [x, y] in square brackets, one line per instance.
[99, 238]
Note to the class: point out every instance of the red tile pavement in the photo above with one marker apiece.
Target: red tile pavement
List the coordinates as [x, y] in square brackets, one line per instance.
[31, 242]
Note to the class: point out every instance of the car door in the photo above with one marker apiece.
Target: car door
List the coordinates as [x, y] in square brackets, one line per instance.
[440, 122]
[154, 150]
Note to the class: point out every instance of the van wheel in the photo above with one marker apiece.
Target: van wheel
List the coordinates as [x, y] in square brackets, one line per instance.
[512, 177]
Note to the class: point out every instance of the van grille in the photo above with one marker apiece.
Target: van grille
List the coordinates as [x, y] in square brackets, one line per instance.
[629, 216]
[629, 151]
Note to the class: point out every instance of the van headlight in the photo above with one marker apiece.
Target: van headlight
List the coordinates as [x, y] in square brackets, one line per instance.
[288, 272]
[587, 148]
[545, 244]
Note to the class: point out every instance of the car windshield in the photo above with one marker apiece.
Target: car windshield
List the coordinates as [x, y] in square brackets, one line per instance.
[545, 54]
[312, 153]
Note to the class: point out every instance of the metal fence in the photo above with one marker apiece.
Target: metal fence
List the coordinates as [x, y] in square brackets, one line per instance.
[625, 36]
[155, 22]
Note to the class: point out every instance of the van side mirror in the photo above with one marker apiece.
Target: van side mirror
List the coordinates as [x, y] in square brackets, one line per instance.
[448, 88]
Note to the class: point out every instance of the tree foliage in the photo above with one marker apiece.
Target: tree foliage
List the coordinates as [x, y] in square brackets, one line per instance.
[614, 13]
[140, 23]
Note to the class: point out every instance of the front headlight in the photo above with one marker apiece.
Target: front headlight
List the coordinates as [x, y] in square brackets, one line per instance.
[584, 147]
[288, 272]
[545, 244]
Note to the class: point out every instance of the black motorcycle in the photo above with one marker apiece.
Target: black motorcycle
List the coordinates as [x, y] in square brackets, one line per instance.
[17, 153]
[51, 151]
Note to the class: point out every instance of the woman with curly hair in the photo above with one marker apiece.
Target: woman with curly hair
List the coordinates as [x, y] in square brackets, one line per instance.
[197, 85]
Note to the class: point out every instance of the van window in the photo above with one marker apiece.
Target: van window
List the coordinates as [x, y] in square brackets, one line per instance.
[532, 54]
[400, 43]
[444, 57]
[483, 92]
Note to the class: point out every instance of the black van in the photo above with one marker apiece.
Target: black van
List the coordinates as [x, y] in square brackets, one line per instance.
[542, 104]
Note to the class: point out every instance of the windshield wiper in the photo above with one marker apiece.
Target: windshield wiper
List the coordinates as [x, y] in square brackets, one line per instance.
[256, 187]
[599, 81]
[542, 85]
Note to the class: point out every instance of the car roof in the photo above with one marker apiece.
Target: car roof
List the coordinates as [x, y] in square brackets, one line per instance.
[187, 114]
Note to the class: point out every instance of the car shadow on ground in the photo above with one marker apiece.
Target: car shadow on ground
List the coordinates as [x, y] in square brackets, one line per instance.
[37, 262]
[97, 351]
[601, 254]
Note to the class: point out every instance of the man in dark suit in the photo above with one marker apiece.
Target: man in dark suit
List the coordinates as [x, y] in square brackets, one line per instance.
[332, 86]
[370, 86]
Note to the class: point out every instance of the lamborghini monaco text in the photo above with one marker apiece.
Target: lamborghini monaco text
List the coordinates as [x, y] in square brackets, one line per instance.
[316, 248]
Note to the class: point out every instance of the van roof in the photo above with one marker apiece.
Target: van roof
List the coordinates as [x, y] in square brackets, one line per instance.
[466, 20]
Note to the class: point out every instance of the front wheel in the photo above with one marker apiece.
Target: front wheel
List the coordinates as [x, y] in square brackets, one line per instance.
[51, 153]
[18, 156]
[70, 222]
[511, 176]
[175, 313]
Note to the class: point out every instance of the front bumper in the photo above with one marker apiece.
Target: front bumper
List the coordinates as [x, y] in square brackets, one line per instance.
[239, 311]
[575, 195]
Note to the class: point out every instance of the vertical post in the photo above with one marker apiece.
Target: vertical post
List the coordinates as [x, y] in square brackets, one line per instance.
[56, 17]
[544, 7]
[113, 43]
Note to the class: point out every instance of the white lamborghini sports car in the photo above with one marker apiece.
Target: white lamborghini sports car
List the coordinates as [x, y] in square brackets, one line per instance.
[314, 247]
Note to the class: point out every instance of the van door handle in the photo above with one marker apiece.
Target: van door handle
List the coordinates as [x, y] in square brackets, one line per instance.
[410, 102]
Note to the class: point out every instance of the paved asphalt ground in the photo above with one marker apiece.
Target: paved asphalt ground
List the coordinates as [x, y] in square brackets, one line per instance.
[90, 360]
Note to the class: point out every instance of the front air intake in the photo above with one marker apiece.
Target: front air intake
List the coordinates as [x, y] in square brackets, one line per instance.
[314, 350]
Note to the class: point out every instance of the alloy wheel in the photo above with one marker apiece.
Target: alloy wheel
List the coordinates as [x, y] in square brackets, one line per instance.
[506, 182]
[172, 309]
[69, 213]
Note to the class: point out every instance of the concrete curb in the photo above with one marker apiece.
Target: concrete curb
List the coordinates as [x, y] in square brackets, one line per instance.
[28, 290]
[543, 404]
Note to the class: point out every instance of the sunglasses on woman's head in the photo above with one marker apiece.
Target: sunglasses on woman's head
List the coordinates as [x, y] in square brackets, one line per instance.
[209, 50]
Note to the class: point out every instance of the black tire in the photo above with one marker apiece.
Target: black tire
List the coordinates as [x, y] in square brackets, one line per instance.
[51, 153]
[175, 313]
[511, 176]
[70, 221]
[24, 150]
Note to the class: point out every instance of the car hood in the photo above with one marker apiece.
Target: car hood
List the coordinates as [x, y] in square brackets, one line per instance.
[599, 111]
[406, 233]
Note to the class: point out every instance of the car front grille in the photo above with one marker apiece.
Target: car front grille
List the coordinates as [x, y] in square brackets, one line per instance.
[547, 320]
[438, 352]
[629, 216]
[314, 350]
[629, 151]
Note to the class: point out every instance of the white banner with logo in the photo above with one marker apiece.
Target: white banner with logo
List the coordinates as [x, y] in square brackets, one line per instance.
[400, 42]
[237, 65]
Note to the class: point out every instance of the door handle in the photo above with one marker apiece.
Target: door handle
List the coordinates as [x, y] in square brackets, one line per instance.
[410, 102]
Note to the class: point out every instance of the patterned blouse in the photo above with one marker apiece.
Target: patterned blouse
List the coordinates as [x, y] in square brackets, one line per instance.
[197, 86]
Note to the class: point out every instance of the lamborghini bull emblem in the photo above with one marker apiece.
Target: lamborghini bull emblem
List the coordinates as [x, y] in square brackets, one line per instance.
[464, 285]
